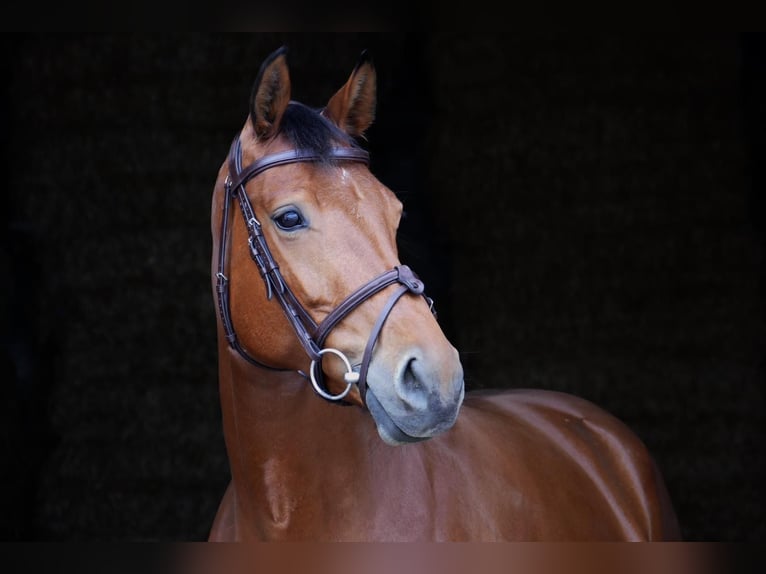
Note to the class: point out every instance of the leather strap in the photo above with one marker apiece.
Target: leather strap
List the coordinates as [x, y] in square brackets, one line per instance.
[401, 274]
[242, 176]
[367, 357]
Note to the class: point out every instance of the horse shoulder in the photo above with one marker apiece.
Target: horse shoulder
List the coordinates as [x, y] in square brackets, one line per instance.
[576, 437]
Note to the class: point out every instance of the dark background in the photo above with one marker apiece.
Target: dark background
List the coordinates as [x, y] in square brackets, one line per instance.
[586, 210]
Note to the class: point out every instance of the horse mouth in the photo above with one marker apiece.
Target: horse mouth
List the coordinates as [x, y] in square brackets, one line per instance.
[388, 430]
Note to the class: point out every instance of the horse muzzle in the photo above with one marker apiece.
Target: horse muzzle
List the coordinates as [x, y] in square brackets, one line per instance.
[415, 408]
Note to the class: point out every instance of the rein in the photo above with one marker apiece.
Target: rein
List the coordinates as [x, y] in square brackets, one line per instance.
[311, 336]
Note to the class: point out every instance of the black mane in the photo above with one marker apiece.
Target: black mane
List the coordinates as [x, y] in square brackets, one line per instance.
[307, 129]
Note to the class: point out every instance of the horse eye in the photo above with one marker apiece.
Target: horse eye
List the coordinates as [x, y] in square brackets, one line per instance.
[289, 220]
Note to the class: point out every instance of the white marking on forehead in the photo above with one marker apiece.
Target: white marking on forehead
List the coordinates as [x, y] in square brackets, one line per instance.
[346, 180]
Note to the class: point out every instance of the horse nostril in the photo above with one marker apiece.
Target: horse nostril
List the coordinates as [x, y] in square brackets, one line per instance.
[410, 386]
[410, 379]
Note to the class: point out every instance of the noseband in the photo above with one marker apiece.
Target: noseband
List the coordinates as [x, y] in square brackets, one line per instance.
[311, 336]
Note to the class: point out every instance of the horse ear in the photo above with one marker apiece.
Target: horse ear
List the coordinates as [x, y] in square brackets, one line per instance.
[270, 95]
[352, 107]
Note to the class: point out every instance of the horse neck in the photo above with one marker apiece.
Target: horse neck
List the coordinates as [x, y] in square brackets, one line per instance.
[274, 423]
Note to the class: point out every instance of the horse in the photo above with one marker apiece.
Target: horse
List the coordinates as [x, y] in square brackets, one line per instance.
[344, 410]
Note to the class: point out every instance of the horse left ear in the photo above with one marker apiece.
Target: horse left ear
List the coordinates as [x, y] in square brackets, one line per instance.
[352, 107]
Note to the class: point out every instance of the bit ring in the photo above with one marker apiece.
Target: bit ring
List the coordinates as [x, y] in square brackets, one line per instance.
[350, 376]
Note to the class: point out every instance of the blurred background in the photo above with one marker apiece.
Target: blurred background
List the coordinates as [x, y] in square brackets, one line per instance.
[587, 211]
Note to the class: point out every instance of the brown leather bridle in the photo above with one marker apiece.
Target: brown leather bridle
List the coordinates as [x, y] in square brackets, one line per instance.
[311, 336]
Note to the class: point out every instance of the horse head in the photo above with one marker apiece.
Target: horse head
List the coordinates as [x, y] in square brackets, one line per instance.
[309, 280]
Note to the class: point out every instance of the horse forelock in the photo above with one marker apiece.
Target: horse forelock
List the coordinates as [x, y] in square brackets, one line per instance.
[306, 128]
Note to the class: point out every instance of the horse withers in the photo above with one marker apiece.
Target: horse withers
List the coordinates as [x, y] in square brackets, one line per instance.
[344, 411]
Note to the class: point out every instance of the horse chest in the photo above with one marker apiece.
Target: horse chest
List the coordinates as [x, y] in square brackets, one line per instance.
[417, 493]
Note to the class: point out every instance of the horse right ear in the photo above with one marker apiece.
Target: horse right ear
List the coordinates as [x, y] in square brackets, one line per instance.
[270, 95]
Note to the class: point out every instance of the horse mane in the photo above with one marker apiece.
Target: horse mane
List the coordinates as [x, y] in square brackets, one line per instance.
[306, 128]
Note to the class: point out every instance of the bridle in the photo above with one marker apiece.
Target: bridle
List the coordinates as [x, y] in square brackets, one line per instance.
[311, 336]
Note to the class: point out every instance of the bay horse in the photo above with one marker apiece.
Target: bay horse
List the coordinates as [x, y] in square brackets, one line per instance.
[343, 404]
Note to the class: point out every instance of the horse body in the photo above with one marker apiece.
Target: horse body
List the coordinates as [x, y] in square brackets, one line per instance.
[396, 462]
